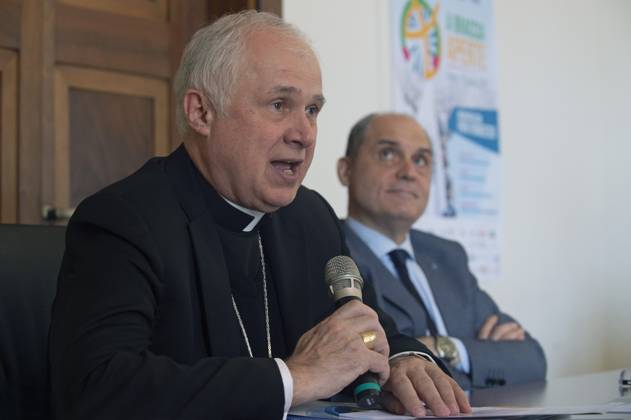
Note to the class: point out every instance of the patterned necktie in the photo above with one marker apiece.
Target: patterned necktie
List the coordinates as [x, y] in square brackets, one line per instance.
[399, 257]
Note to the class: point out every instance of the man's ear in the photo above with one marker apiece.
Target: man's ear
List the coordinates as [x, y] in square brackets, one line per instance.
[344, 170]
[199, 114]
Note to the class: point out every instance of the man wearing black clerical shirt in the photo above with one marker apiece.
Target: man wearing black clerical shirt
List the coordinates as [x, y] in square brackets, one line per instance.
[239, 229]
[194, 288]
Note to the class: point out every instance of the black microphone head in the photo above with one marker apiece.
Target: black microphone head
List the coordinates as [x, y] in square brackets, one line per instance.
[343, 279]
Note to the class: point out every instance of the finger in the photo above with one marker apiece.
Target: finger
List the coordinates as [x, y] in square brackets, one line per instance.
[376, 363]
[346, 326]
[427, 390]
[487, 327]
[361, 324]
[354, 309]
[452, 393]
[381, 344]
[501, 330]
[504, 330]
[369, 337]
[360, 316]
[444, 385]
[392, 403]
[516, 334]
[461, 399]
[356, 328]
[353, 335]
[401, 387]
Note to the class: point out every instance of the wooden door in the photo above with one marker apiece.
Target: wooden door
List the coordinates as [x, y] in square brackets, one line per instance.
[85, 94]
[8, 135]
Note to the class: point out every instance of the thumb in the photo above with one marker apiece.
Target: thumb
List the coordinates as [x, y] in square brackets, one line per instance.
[487, 327]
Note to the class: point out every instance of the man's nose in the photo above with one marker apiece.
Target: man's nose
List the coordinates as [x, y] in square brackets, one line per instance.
[301, 132]
[407, 169]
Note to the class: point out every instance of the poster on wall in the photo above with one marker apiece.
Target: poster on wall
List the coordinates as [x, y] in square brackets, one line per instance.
[444, 73]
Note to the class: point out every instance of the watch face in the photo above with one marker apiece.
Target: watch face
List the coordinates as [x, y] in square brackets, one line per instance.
[446, 348]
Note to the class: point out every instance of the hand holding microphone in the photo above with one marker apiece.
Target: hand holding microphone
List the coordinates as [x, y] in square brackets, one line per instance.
[345, 284]
[342, 347]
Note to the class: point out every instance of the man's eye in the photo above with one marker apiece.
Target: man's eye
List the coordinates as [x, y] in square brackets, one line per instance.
[313, 110]
[386, 154]
[423, 161]
[278, 105]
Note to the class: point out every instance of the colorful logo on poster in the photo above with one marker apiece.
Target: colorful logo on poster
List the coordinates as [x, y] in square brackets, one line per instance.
[420, 37]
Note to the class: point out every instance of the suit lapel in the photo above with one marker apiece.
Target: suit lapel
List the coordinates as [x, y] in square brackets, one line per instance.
[223, 333]
[221, 328]
[285, 247]
[385, 283]
[395, 292]
[441, 285]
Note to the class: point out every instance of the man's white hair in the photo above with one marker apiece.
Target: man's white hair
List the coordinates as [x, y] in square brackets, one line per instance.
[211, 62]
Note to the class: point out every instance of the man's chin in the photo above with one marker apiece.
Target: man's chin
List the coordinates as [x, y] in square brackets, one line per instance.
[275, 201]
[404, 217]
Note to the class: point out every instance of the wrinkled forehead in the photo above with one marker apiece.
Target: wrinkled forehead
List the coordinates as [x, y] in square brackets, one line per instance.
[280, 63]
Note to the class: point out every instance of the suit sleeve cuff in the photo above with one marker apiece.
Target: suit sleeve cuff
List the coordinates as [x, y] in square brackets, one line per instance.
[420, 354]
[465, 364]
[288, 385]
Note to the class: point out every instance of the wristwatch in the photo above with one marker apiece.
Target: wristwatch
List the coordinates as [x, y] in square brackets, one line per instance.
[447, 350]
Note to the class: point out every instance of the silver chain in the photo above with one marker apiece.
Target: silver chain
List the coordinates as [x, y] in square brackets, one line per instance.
[236, 310]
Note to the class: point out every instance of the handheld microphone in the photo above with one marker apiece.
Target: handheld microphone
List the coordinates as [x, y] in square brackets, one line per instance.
[345, 284]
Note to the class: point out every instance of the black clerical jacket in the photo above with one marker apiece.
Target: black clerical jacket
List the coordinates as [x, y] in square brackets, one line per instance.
[143, 325]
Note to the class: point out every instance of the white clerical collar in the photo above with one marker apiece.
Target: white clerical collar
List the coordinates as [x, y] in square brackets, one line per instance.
[257, 215]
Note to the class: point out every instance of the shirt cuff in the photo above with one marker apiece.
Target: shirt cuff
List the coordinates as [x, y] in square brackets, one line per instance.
[465, 364]
[288, 385]
[413, 353]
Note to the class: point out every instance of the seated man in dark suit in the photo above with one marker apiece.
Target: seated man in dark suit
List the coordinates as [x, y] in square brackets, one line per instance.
[421, 280]
[193, 289]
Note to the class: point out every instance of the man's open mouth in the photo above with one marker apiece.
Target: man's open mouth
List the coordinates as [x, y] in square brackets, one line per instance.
[286, 167]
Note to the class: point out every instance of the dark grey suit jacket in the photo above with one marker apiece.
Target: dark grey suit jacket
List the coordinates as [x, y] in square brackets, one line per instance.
[462, 304]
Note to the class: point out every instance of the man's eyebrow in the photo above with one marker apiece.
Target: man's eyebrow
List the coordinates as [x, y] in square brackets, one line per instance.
[389, 142]
[284, 89]
[290, 90]
[319, 99]
[426, 150]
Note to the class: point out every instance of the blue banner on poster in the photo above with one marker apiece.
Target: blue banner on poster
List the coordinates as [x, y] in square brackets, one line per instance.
[476, 125]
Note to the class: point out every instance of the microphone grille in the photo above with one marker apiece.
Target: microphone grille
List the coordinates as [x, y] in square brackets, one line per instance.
[340, 267]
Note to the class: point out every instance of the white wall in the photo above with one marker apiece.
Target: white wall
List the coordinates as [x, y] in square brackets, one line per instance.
[565, 120]
[350, 38]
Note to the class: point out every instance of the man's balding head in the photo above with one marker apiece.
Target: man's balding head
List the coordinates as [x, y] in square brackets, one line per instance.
[387, 169]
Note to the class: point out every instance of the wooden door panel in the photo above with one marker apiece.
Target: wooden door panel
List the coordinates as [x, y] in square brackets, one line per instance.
[8, 136]
[107, 125]
[146, 9]
[87, 37]
[110, 136]
[10, 14]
